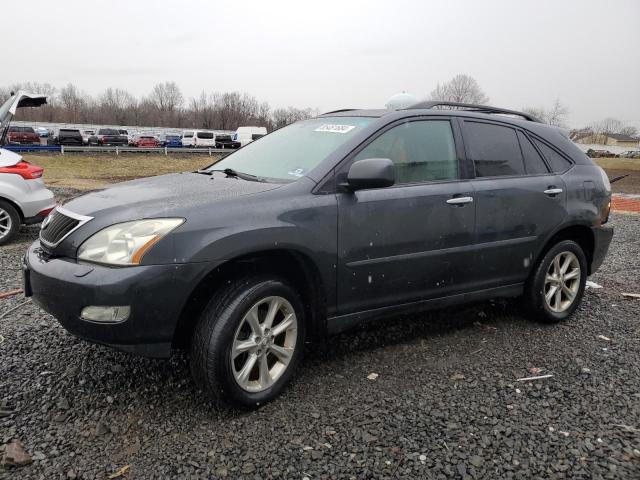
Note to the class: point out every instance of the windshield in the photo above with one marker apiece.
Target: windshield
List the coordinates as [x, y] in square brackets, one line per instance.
[293, 151]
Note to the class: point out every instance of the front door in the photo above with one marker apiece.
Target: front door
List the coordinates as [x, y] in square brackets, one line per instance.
[413, 240]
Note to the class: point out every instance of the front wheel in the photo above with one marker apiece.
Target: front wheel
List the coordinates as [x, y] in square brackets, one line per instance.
[248, 341]
[556, 286]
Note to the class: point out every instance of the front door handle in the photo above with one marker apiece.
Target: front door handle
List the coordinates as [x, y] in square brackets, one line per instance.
[460, 200]
[553, 191]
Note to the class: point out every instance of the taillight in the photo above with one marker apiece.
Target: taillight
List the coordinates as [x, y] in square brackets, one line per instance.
[25, 170]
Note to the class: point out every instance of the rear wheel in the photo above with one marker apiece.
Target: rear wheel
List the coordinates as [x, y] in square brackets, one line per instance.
[9, 222]
[248, 341]
[556, 286]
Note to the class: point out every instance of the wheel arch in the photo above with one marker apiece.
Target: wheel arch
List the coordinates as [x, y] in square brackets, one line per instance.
[293, 265]
[14, 205]
[580, 233]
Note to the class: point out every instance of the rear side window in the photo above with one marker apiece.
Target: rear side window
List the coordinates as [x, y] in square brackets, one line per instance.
[422, 151]
[557, 162]
[495, 149]
[256, 136]
[206, 135]
[533, 162]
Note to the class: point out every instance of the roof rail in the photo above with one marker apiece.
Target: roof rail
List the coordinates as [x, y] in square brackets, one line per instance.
[470, 107]
[339, 111]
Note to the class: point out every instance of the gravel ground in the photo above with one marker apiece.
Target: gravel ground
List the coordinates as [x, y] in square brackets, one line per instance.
[445, 403]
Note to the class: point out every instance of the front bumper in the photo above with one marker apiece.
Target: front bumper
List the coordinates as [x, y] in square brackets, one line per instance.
[155, 293]
[602, 236]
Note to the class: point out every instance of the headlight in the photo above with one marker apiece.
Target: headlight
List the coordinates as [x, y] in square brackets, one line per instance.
[126, 243]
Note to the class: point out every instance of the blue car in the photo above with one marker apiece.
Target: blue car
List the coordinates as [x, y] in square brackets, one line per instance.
[171, 141]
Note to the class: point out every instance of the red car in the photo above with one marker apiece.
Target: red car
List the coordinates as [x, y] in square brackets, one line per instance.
[146, 142]
[22, 136]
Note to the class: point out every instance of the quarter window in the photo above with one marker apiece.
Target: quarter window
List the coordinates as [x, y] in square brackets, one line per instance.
[533, 162]
[494, 149]
[422, 151]
[557, 162]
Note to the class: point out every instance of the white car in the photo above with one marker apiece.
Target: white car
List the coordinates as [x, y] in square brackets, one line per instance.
[246, 135]
[23, 197]
[198, 138]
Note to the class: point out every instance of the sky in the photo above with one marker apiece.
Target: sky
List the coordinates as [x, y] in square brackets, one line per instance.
[340, 54]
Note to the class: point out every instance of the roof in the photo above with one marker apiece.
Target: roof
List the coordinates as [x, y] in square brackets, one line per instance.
[622, 137]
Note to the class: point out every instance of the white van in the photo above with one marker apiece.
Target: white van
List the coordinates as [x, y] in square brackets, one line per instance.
[198, 138]
[246, 135]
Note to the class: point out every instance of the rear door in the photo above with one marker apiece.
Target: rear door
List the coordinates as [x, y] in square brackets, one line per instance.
[413, 240]
[519, 201]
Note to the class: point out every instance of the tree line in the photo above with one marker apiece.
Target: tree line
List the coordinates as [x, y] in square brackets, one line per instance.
[164, 106]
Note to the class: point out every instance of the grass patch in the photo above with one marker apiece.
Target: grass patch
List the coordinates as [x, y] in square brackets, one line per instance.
[93, 171]
[618, 163]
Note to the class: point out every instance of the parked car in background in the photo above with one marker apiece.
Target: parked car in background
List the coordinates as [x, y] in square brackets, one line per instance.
[18, 135]
[246, 135]
[86, 134]
[146, 141]
[23, 197]
[108, 136]
[69, 136]
[362, 214]
[198, 138]
[42, 132]
[630, 154]
[224, 140]
[599, 153]
[170, 140]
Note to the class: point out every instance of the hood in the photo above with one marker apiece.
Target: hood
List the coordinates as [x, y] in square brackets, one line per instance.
[166, 195]
[8, 158]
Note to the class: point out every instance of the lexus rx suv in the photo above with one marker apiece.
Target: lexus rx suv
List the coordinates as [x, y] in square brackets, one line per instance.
[322, 225]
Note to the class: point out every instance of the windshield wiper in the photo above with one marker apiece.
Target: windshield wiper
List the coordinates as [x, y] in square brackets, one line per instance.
[233, 173]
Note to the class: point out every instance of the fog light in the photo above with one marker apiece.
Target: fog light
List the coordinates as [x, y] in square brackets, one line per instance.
[105, 314]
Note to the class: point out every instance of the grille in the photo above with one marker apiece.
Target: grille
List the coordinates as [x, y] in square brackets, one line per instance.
[58, 227]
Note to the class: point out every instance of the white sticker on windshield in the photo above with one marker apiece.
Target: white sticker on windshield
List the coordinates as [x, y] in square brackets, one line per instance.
[298, 172]
[329, 127]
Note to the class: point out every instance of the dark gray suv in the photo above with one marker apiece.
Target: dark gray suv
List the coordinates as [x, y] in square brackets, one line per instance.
[319, 226]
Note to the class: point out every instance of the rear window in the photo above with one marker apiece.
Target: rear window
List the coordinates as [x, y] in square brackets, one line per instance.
[69, 130]
[21, 129]
[533, 162]
[123, 132]
[494, 148]
[108, 131]
[206, 135]
[187, 134]
[557, 162]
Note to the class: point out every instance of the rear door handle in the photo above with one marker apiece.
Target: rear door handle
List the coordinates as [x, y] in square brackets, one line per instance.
[553, 191]
[460, 200]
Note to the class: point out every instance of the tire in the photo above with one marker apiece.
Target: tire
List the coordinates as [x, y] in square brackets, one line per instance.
[9, 222]
[539, 285]
[225, 319]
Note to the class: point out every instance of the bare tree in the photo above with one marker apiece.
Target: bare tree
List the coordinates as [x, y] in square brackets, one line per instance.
[285, 116]
[629, 130]
[73, 102]
[556, 115]
[462, 88]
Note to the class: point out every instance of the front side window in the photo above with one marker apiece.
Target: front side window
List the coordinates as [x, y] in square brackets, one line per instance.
[421, 151]
[494, 149]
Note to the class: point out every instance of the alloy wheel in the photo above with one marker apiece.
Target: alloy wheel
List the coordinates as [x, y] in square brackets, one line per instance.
[5, 223]
[562, 282]
[264, 343]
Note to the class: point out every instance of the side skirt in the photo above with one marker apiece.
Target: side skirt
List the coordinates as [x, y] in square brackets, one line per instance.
[342, 323]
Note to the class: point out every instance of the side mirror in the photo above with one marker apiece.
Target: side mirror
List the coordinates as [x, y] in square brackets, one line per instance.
[371, 173]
